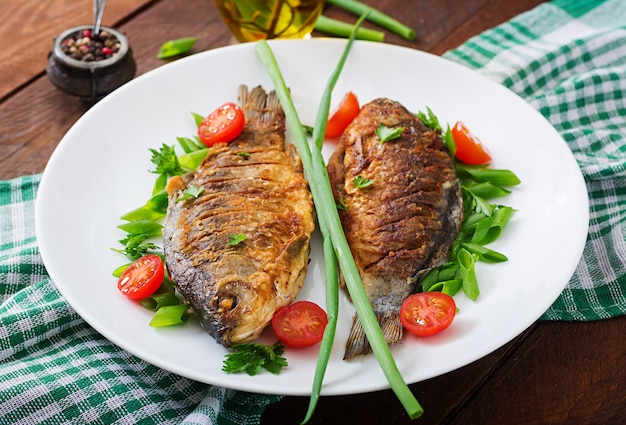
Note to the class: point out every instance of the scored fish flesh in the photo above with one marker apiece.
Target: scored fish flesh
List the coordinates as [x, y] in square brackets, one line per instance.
[404, 222]
[255, 187]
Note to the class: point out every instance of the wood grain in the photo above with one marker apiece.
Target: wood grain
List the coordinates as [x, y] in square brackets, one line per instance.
[554, 373]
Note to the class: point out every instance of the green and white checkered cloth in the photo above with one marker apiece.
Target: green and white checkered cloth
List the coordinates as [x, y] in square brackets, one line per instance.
[566, 58]
[56, 369]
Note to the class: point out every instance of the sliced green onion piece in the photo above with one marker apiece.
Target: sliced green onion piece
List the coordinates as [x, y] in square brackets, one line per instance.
[191, 160]
[156, 301]
[189, 145]
[176, 47]
[170, 315]
[342, 29]
[481, 173]
[119, 270]
[448, 287]
[143, 213]
[147, 227]
[484, 254]
[468, 273]
[486, 190]
[490, 228]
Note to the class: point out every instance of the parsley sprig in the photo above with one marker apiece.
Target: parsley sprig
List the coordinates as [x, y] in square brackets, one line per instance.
[361, 182]
[251, 358]
[386, 134]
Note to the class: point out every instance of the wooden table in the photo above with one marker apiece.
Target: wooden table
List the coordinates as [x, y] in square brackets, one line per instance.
[554, 373]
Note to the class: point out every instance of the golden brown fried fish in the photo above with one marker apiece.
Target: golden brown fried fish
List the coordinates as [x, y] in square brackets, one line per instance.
[253, 186]
[405, 221]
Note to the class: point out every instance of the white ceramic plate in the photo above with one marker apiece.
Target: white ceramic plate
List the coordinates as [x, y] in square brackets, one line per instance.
[100, 171]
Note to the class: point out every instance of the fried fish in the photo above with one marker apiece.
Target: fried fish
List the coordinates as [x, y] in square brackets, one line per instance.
[253, 188]
[403, 208]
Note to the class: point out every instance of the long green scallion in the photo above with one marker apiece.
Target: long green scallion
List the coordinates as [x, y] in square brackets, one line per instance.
[375, 16]
[315, 170]
[343, 29]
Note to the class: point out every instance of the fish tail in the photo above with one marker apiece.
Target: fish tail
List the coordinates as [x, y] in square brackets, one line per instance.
[260, 108]
[358, 344]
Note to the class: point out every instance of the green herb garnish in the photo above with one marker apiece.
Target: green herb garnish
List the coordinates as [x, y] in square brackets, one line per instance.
[243, 155]
[385, 134]
[251, 358]
[166, 161]
[236, 239]
[191, 192]
[361, 182]
[136, 246]
[430, 120]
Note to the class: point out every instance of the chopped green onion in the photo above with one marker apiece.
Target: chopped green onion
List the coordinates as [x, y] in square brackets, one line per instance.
[189, 145]
[170, 315]
[486, 190]
[191, 160]
[484, 254]
[143, 213]
[490, 228]
[147, 227]
[481, 173]
[119, 270]
[176, 47]
[156, 301]
[468, 273]
[342, 29]
[197, 118]
[376, 17]
[448, 287]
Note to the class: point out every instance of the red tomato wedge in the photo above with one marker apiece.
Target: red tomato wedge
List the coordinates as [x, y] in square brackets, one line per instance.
[300, 324]
[339, 120]
[142, 278]
[427, 313]
[222, 125]
[469, 148]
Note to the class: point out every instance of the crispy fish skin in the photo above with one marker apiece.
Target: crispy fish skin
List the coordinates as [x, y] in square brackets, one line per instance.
[406, 221]
[235, 289]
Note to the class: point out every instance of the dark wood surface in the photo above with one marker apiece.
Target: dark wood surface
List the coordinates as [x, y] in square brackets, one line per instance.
[554, 373]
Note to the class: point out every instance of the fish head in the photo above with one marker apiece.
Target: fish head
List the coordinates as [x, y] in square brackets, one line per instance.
[240, 311]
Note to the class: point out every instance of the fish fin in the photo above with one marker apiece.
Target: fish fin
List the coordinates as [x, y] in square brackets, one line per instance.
[358, 344]
[259, 107]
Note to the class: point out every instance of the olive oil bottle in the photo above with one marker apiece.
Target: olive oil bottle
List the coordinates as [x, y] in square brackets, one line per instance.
[251, 20]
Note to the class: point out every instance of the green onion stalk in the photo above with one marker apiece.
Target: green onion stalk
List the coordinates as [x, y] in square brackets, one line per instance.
[343, 29]
[376, 17]
[328, 217]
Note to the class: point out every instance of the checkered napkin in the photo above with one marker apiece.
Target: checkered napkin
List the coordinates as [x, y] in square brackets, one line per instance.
[56, 369]
[567, 58]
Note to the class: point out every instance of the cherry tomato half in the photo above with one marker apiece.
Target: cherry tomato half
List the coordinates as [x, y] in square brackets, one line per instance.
[142, 278]
[300, 324]
[427, 313]
[347, 110]
[469, 148]
[222, 125]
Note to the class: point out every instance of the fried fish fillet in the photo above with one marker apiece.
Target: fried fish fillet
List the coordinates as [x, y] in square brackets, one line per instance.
[253, 186]
[405, 221]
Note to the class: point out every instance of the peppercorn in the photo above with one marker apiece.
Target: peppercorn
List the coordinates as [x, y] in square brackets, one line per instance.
[84, 46]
